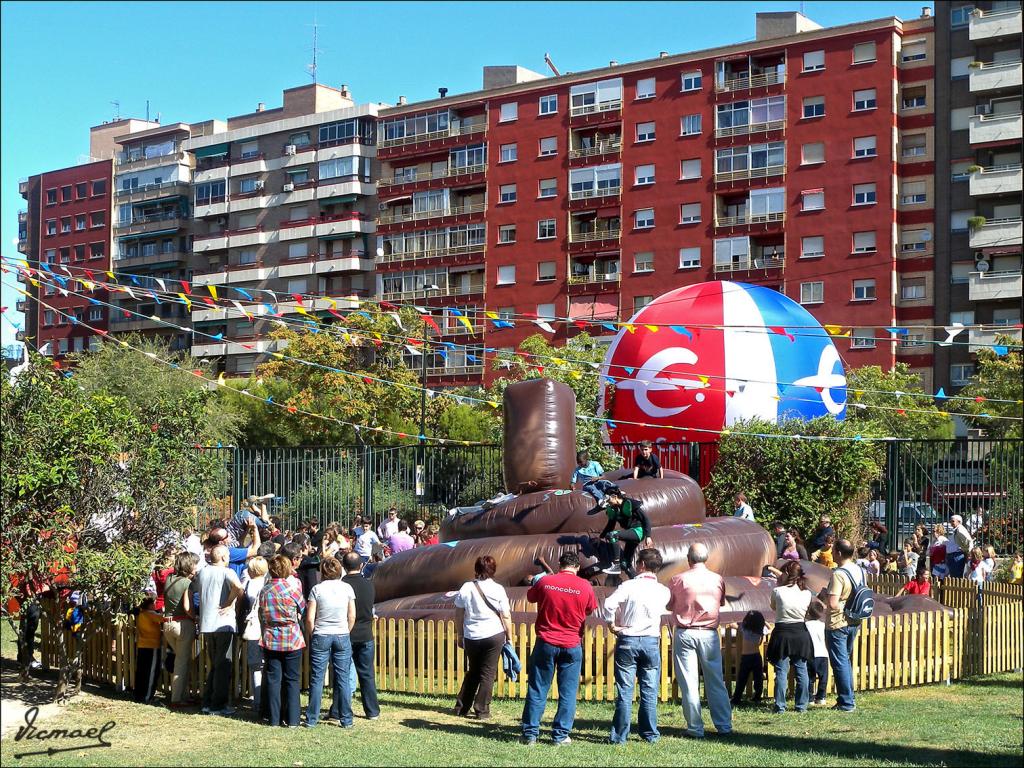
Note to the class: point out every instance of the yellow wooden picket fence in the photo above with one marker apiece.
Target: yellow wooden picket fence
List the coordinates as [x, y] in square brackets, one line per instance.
[421, 656]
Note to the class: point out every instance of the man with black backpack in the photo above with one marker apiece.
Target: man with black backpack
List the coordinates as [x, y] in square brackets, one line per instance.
[849, 601]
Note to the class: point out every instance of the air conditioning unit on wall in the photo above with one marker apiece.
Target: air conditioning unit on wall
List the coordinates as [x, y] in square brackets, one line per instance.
[289, 149]
[289, 187]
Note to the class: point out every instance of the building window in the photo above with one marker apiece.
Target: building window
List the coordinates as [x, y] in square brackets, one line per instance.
[65, 194]
[507, 193]
[914, 240]
[914, 52]
[812, 247]
[912, 288]
[548, 146]
[98, 218]
[506, 313]
[913, 193]
[812, 293]
[48, 317]
[914, 145]
[690, 125]
[95, 250]
[62, 346]
[643, 262]
[689, 169]
[963, 317]
[299, 139]
[864, 194]
[865, 146]
[645, 131]
[65, 225]
[864, 290]
[245, 186]
[507, 274]
[545, 229]
[689, 258]
[863, 53]
[811, 154]
[339, 167]
[645, 88]
[961, 16]
[812, 200]
[546, 269]
[644, 218]
[960, 374]
[297, 286]
[691, 81]
[644, 174]
[81, 190]
[297, 251]
[247, 256]
[99, 187]
[814, 61]
[548, 188]
[509, 153]
[79, 222]
[51, 196]
[51, 226]
[548, 104]
[248, 150]
[814, 106]
[863, 338]
[864, 242]
[639, 302]
[95, 313]
[863, 100]
[914, 97]
[689, 213]
[79, 253]
[65, 255]
[507, 233]
[509, 112]
[958, 220]
[545, 311]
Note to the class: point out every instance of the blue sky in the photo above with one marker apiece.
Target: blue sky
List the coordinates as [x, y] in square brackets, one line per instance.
[62, 64]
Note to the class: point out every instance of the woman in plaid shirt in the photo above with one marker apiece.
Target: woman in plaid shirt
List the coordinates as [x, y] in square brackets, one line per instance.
[281, 607]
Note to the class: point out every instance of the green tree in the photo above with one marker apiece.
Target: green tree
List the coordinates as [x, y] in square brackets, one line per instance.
[796, 480]
[91, 489]
[999, 377]
[573, 364]
[873, 412]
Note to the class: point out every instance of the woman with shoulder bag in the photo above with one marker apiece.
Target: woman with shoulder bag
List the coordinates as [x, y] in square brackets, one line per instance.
[251, 630]
[483, 622]
[179, 628]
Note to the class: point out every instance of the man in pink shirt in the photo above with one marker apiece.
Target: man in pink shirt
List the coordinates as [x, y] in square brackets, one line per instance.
[697, 595]
[401, 540]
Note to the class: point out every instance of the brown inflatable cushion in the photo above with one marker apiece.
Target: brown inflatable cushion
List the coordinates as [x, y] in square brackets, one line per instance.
[540, 435]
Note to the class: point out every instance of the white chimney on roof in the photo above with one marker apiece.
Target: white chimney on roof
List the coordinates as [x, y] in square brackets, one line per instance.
[401, 100]
[926, 12]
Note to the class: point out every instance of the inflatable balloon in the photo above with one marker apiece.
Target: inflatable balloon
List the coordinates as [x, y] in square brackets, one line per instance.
[708, 355]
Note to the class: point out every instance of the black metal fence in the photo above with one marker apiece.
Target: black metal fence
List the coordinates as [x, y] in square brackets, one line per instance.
[925, 481]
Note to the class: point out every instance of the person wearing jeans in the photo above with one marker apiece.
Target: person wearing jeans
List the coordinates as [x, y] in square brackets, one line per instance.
[790, 643]
[634, 611]
[564, 601]
[217, 587]
[330, 614]
[696, 597]
[281, 605]
[839, 634]
[361, 635]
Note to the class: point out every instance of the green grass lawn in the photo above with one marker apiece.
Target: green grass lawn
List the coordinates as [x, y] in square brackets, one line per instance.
[976, 723]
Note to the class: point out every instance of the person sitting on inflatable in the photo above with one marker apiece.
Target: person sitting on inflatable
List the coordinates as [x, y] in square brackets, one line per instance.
[628, 513]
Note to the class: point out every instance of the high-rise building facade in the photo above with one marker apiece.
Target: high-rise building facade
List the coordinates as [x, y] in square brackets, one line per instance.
[784, 162]
[283, 201]
[978, 179]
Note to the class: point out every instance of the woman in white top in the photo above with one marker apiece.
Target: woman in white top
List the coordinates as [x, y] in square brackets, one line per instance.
[330, 614]
[483, 622]
[251, 632]
[790, 642]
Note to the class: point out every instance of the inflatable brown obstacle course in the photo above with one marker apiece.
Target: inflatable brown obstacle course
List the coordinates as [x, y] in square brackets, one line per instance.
[547, 518]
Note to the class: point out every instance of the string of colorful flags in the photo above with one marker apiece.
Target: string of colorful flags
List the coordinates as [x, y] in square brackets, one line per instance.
[221, 338]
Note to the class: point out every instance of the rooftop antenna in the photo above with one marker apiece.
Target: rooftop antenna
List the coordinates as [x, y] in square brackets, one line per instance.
[117, 109]
[312, 67]
[147, 110]
[551, 65]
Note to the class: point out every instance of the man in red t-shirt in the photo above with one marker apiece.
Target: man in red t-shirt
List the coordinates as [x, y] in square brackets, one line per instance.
[564, 601]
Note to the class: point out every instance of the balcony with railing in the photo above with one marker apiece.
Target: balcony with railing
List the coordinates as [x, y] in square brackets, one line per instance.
[596, 276]
[455, 371]
[996, 180]
[595, 145]
[138, 160]
[21, 305]
[751, 263]
[473, 129]
[748, 72]
[460, 253]
[467, 288]
[137, 258]
[403, 217]
[995, 286]
[764, 172]
[747, 218]
[995, 76]
[995, 24]
[457, 172]
[596, 192]
[750, 128]
[23, 187]
[157, 221]
[149, 192]
[987, 337]
[607, 108]
[996, 233]
[996, 127]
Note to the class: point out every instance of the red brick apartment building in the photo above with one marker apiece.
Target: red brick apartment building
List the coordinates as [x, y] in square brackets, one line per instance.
[801, 161]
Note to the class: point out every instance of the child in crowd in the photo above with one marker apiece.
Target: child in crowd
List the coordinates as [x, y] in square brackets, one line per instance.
[149, 631]
[647, 463]
[1017, 569]
[873, 566]
[586, 470]
[824, 555]
[253, 508]
[990, 561]
[907, 562]
[817, 668]
[752, 634]
[862, 557]
[889, 563]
